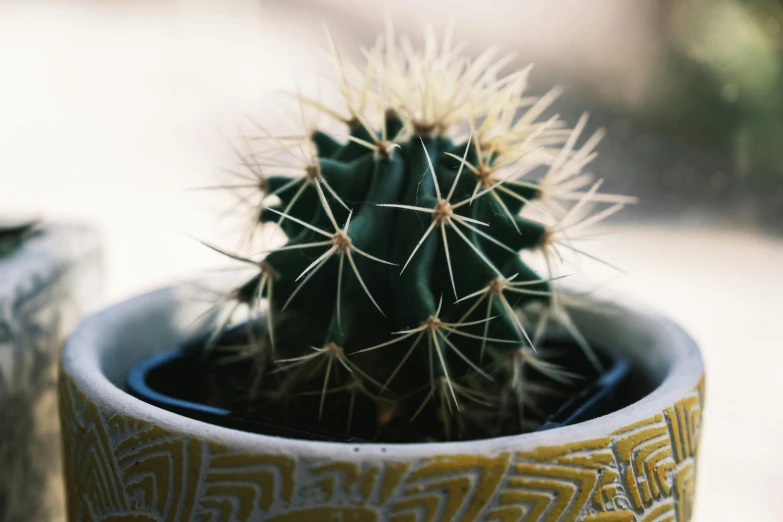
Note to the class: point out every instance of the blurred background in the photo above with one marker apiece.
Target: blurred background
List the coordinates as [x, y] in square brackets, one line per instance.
[109, 111]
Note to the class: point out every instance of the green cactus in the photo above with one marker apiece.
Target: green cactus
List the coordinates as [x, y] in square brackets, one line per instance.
[401, 284]
[12, 233]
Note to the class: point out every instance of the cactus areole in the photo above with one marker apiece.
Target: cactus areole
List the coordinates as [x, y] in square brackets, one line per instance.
[402, 304]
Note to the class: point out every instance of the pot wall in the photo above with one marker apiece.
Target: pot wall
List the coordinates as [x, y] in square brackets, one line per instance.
[45, 285]
[127, 460]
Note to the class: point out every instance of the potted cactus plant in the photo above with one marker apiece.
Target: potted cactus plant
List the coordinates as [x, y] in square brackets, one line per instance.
[409, 352]
[49, 275]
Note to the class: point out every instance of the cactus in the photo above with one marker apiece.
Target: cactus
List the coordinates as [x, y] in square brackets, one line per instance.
[13, 232]
[401, 289]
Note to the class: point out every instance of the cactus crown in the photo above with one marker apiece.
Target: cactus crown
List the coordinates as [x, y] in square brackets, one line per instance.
[401, 288]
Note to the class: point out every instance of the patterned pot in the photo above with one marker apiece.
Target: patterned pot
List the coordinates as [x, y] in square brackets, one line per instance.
[45, 284]
[130, 461]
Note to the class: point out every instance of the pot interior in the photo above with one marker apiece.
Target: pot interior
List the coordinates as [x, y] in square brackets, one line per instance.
[214, 389]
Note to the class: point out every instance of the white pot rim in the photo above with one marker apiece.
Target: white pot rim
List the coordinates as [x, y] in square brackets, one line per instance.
[102, 349]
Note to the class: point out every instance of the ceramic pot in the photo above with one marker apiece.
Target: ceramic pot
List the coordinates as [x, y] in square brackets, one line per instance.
[46, 282]
[128, 460]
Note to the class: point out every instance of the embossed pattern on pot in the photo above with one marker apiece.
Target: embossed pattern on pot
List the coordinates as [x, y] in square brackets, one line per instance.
[124, 469]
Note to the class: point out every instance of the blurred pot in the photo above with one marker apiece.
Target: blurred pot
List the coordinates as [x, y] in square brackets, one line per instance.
[48, 277]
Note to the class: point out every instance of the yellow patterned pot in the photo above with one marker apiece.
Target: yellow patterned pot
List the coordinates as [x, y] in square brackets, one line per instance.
[128, 461]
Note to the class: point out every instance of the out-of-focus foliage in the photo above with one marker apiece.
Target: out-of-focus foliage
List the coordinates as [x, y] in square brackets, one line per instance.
[722, 83]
